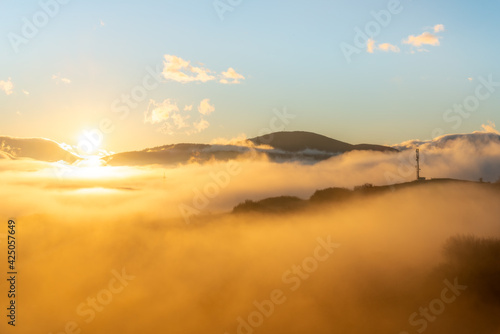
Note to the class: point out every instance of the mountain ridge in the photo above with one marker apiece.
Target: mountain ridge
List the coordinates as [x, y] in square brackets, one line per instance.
[42, 149]
[280, 147]
[301, 146]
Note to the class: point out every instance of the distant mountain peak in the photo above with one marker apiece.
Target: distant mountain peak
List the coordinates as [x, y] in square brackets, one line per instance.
[296, 141]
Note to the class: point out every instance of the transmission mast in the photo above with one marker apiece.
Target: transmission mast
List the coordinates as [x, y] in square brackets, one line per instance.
[418, 166]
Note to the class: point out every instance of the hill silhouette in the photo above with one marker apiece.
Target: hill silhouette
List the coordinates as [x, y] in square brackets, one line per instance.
[34, 148]
[284, 146]
[272, 205]
[476, 261]
[296, 141]
[335, 195]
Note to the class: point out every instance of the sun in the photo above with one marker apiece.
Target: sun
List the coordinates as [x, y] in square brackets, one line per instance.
[91, 162]
[92, 167]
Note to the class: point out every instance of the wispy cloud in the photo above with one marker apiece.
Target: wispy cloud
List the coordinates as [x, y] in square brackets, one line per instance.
[167, 114]
[231, 77]
[160, 112]
[205, 108]
[425, 38]
[422, 39]
[180, 70]
[490, 128]
[386, 47]
[59, 79]
[438, 28]
[370, 45]
[416, 41]
[7, 86]
[200, 125]
[172, 120]
[177, 122]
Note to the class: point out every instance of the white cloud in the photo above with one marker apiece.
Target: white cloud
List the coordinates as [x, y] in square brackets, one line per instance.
[205, 108]
[438, 28]
[180, 70]
[490, 128]
[422, 39]
[180, 120]
[59, 79]
[7, 86]
[426, 38]
[370, 45]
[171, 120]
[26, 92]
[231, 77]
[201, 125]
[388, 47]
[160, 112]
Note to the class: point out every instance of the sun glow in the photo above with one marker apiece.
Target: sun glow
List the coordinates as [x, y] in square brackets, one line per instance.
[90, 168]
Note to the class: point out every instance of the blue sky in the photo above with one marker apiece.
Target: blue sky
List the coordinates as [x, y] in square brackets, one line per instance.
[287, 53]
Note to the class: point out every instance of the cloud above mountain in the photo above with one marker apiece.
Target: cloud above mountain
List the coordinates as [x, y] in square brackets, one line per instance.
[461, 156]
[179, 70]
[205, 108]
[417, 42]
[7, 86]
[172, 119]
